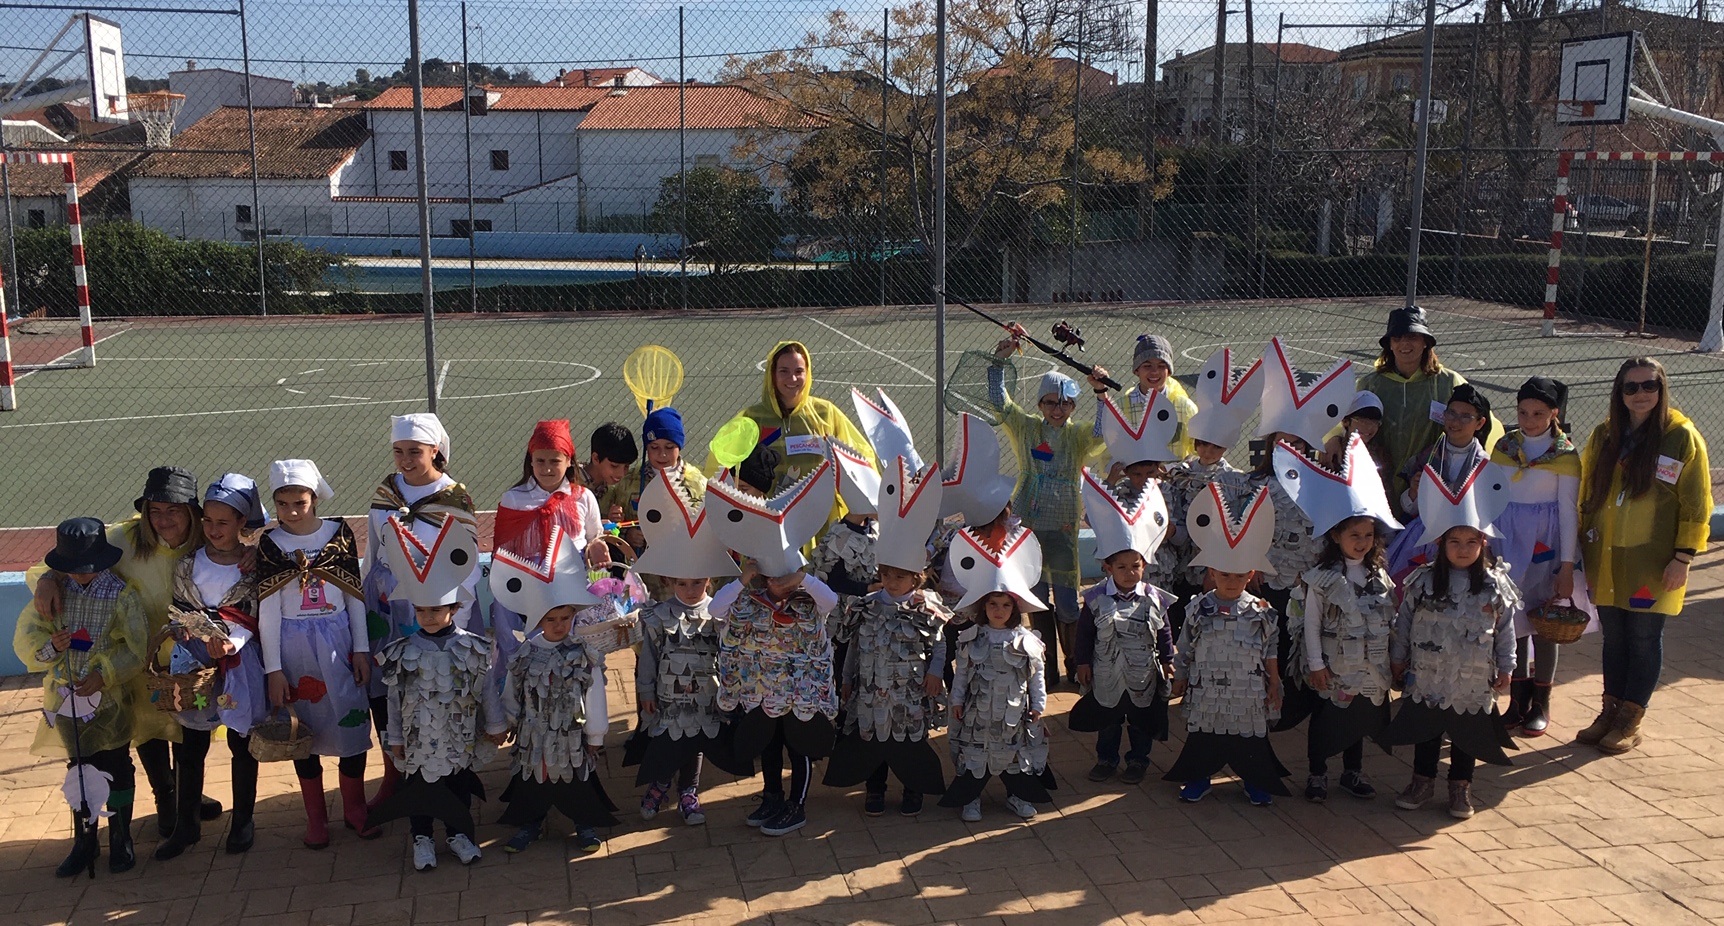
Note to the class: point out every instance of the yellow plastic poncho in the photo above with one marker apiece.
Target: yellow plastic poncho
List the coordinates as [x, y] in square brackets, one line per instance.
[153, 579]
[1628, 540]
[1408, 426]
[794, 433]
[118, 655]
[1050, 468]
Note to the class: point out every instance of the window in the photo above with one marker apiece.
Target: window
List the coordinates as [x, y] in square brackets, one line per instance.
[458, 228]
[499, 160]
[397, 160]
[1361, 84]
[242, 215]
[1400, 82]
[37, 218]
[706, 160]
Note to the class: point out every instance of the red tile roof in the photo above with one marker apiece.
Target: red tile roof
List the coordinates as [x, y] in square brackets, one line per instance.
[518, 99]
[94, 169]
[704, 106]
[293, 143]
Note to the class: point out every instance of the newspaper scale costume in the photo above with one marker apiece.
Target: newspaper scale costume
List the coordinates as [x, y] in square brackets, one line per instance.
[999, 676]
[895, 645]
[442, 711]
[1128, 682]
[775, 660]
[1455, 644]
[1350, 619]
[553, 692]
[678, 664]
[1223, 648]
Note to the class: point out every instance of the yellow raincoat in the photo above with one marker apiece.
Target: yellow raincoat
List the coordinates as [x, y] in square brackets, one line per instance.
[118, 655]
[1628, 541]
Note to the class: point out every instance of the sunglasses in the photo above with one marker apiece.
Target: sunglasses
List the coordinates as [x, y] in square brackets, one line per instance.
[1637, 386]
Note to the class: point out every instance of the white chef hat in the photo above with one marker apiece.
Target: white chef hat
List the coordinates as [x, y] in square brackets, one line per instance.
[423, 428]
[1329, 497]
[681, 542]
[908, 509]
[1136, 522]
[1227, 396]
[302, 474]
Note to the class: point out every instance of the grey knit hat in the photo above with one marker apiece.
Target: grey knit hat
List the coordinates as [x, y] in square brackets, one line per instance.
[1152, 347]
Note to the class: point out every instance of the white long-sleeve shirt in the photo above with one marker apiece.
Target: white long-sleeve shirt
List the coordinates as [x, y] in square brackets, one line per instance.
[1314, 605]
[1539, 486]
[825, 599]
[290, 603]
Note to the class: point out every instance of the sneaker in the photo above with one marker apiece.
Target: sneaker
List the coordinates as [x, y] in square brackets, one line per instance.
[1102, 771]
[587, 839]
[1317, 788]
[464, 848]
[1418, 791]
[689, 806]
[874, 804]
[1258, 796]
[1021, 807]
[1460, 800]
[1356, 784]
[972, 812]
[1194, 791]
[911, 804]
[424, 853]
[788, 821]
[524, 837]
[652, 800]
[771, 805]
[1134, 773]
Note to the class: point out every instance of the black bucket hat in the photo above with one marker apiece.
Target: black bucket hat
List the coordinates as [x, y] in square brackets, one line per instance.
[170, 484]
[81, 545]
[1408, 320]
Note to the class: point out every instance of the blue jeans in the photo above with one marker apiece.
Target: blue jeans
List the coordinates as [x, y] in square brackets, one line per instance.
[1633, 653]
[1107, 742]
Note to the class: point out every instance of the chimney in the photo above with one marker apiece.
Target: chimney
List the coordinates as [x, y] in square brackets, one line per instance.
[191, 65]
[617, 88]
[560, 73]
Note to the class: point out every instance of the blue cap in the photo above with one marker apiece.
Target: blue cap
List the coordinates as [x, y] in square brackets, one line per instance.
[663, 424]
[239, 493]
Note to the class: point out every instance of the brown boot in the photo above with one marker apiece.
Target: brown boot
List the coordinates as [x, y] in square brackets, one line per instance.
[1601, 724]
[1460, 800]
[1625, 733]
[1418, 791]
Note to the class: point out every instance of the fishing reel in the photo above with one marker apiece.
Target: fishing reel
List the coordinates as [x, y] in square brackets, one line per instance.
[1068, 335]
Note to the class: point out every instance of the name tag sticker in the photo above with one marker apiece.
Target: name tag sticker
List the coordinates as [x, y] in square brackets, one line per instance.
[806, 444]
[1437, 409]
[1669, 470]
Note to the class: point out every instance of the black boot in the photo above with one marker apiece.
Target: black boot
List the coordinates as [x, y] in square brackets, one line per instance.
[1519, 693]
[85, 849]
[187, 830]
[120, 855]
[241, 832]
[1046, 625]
[1537, 712]
[208, 808]
[155, 757]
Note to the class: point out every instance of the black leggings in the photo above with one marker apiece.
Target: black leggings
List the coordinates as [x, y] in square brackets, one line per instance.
[1543, 668]
[156, 756]
[1352, 758]
[117, 763]
[1425, 760]
[772, 769]
[877, 782]
[244, 771]
[687, 777]
[347, 767]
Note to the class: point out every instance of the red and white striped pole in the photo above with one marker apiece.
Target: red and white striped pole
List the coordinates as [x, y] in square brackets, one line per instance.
[8, 385]
[1553, 263]
[80, 274]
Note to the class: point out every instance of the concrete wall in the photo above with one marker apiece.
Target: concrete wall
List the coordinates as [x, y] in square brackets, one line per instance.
[208, 90]
[505, 245]
[541, 146]
[205, 208]
[1122, 270]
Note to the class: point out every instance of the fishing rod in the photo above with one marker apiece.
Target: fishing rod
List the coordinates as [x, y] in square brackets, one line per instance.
[1063, 332]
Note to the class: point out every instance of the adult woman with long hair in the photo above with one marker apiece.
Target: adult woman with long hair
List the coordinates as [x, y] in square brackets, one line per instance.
[1414, 387]
[1645, 513]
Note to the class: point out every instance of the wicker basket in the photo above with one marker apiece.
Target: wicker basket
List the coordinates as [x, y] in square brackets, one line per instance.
[169, 692]
[1558, 621]
[280, 740]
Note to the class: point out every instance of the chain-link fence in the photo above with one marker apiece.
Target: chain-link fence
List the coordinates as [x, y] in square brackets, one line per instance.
[717, 176]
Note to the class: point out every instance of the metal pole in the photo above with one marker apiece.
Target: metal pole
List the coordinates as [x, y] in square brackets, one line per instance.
[257, 217]
[1416, 215]
[417, 74]
[1150, 53]
[1646, 259]
[1251, 150]
[885, 88]
[940, 226]
[1077, 110]
[1466, 202]
[11, 281]
[682, 146]
[467, 132]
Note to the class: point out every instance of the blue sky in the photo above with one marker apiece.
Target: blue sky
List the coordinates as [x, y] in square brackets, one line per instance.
[328, 40]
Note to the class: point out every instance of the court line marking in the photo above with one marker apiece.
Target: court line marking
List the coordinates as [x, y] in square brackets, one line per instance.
[76, 350]
[871, 349]
[50, 527]
[442, 377]
[596, 374]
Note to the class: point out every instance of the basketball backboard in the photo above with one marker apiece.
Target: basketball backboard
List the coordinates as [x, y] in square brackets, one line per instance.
[106, 65]
[1592, 88]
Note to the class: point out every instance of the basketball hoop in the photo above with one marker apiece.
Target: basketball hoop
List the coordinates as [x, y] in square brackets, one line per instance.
[1568, 111]
[156, 109]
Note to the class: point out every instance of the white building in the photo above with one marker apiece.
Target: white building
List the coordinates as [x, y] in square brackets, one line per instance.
[604, 78]
[305, 159]
[208, 89]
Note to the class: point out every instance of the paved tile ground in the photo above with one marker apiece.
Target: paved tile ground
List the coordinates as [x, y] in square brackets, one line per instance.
[1567, 836]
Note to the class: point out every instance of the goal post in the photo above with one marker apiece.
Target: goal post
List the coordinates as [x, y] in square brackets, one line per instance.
[85, 355]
